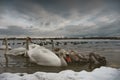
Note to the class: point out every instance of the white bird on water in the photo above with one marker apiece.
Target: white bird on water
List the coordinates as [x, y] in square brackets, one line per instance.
[40, 55]
[3, 47]
[43, 56]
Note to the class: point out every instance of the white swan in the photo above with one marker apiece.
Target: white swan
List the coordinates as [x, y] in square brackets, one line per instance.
[40, 55]
[17, 51]
[43, 56]
[3, 47]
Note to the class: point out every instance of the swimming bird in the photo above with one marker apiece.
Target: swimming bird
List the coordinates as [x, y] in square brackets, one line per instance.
[3, 47]
[43, 56]
[17, 51]
[39, 55]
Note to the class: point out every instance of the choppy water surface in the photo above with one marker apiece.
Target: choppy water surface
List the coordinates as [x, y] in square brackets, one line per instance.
[108, 48]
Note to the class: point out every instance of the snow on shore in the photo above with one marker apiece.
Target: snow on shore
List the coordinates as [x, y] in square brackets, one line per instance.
[103, 73]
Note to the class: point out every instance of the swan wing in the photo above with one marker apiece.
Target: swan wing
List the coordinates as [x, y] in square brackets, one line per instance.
[43, 56]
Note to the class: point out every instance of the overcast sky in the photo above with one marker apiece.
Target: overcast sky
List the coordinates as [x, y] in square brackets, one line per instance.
[47, 18]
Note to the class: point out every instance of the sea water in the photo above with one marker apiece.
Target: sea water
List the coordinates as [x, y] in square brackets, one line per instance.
[107, 48]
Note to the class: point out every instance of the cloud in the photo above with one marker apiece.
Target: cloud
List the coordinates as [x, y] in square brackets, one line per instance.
[14, 30]
[59, 17]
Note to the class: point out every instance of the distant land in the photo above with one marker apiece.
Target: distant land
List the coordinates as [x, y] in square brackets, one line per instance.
[59, 38]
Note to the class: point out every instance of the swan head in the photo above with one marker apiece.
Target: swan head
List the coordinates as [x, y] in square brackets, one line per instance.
[62, 55]
[61, 52]
[56, 49]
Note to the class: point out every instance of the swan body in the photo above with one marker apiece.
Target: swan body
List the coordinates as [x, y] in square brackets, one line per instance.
[17, 51]
[43, 56]
[39, 55]
[3, 47]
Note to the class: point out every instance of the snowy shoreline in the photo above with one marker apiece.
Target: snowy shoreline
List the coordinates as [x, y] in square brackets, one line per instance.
[103, 73]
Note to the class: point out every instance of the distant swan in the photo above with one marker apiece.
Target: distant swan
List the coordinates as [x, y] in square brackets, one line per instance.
[3, 47]
[17, 51]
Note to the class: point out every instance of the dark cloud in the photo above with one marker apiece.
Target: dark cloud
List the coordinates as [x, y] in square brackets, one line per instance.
[19, 31]
[60, 17]
[14, 30]
[63, 7]
[109, 29]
